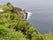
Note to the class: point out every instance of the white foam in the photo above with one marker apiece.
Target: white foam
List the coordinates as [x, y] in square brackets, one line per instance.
[29, 14]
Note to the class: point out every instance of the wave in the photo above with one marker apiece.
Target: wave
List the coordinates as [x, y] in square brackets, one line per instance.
[29, 14]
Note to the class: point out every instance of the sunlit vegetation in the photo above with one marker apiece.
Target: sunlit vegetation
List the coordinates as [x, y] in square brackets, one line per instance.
[13, 27]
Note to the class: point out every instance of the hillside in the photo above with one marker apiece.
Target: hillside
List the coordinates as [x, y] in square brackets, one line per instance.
[13, 26]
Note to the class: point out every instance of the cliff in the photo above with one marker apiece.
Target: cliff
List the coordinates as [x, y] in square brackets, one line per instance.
[13, 21]
[13, 25]
[8, 7]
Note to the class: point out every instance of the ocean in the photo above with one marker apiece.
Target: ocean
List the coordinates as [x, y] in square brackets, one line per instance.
[41, 13]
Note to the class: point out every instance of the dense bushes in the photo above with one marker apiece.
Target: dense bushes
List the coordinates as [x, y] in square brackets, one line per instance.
[11, 35]
[48, 36]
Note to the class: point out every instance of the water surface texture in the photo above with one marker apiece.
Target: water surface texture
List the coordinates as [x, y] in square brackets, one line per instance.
[42, 12]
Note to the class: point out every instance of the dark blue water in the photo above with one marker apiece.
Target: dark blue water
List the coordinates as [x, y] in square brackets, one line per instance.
[42, 12]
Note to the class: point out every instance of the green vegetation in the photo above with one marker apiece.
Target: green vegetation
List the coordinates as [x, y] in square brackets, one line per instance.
[13, 27]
